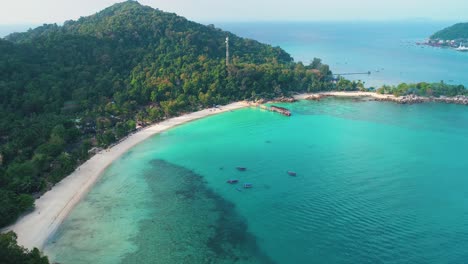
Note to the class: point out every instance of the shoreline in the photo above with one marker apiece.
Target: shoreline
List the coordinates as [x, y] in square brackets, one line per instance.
[52, 208]
[407, 99]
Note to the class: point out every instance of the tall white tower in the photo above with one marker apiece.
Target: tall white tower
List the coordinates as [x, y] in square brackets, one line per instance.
[227, 51]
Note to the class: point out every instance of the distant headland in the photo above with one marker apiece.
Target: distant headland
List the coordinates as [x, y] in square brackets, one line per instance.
[455, 37]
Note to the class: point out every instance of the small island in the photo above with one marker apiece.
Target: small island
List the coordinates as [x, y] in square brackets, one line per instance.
[455, 37]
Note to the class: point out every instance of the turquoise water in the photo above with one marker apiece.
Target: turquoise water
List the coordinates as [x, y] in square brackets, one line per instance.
[376, 182]
[387, 49]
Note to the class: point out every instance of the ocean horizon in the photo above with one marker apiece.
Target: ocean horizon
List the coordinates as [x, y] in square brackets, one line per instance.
[386, 49]
[5, 30]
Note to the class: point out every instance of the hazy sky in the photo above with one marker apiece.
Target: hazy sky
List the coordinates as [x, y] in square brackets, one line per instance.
[49, 11]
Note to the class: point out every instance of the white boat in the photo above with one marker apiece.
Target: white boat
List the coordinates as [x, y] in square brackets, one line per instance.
[461, 48]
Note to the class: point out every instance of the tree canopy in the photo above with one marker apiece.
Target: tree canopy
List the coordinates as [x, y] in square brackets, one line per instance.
[11, 253]
[457, 31]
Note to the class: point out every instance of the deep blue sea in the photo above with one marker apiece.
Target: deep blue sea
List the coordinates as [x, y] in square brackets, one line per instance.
[387, 49]
[377, 182]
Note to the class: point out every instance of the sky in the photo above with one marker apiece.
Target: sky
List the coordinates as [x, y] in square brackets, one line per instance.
[58, 11]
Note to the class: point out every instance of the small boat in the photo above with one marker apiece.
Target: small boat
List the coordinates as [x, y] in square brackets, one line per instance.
[292, 173]
[247, 185]
[462, 48]
[241, 168]
[232, 181]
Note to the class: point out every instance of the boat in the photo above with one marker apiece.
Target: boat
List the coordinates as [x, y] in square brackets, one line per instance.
[232, 181]
[292, 173]
[247, 185]
[241, 168]
[462, 48]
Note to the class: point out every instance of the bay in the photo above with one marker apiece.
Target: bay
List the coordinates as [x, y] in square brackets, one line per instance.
[376, 182]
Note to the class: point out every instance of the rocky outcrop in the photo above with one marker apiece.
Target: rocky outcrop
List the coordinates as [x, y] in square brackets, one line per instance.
[280, 110]
[284, 100]
[414, 99]
[460, 99]
[407, 99]
[260, 101]
[316, 97]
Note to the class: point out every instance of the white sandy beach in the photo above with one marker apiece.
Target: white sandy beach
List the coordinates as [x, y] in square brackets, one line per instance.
[53, 207]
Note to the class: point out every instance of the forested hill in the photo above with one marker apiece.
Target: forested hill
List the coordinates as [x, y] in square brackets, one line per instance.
[130, 24]
[457, 31]
[66, 89]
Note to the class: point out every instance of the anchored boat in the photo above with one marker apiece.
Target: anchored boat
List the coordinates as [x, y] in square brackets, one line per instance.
[462, 48]
[247, 185]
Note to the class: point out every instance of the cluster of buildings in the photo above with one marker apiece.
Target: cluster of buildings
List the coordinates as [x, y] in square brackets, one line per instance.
[458, 44]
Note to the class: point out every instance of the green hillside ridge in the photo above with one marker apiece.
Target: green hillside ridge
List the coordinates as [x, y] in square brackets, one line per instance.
[457, 31]
[66, 89]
